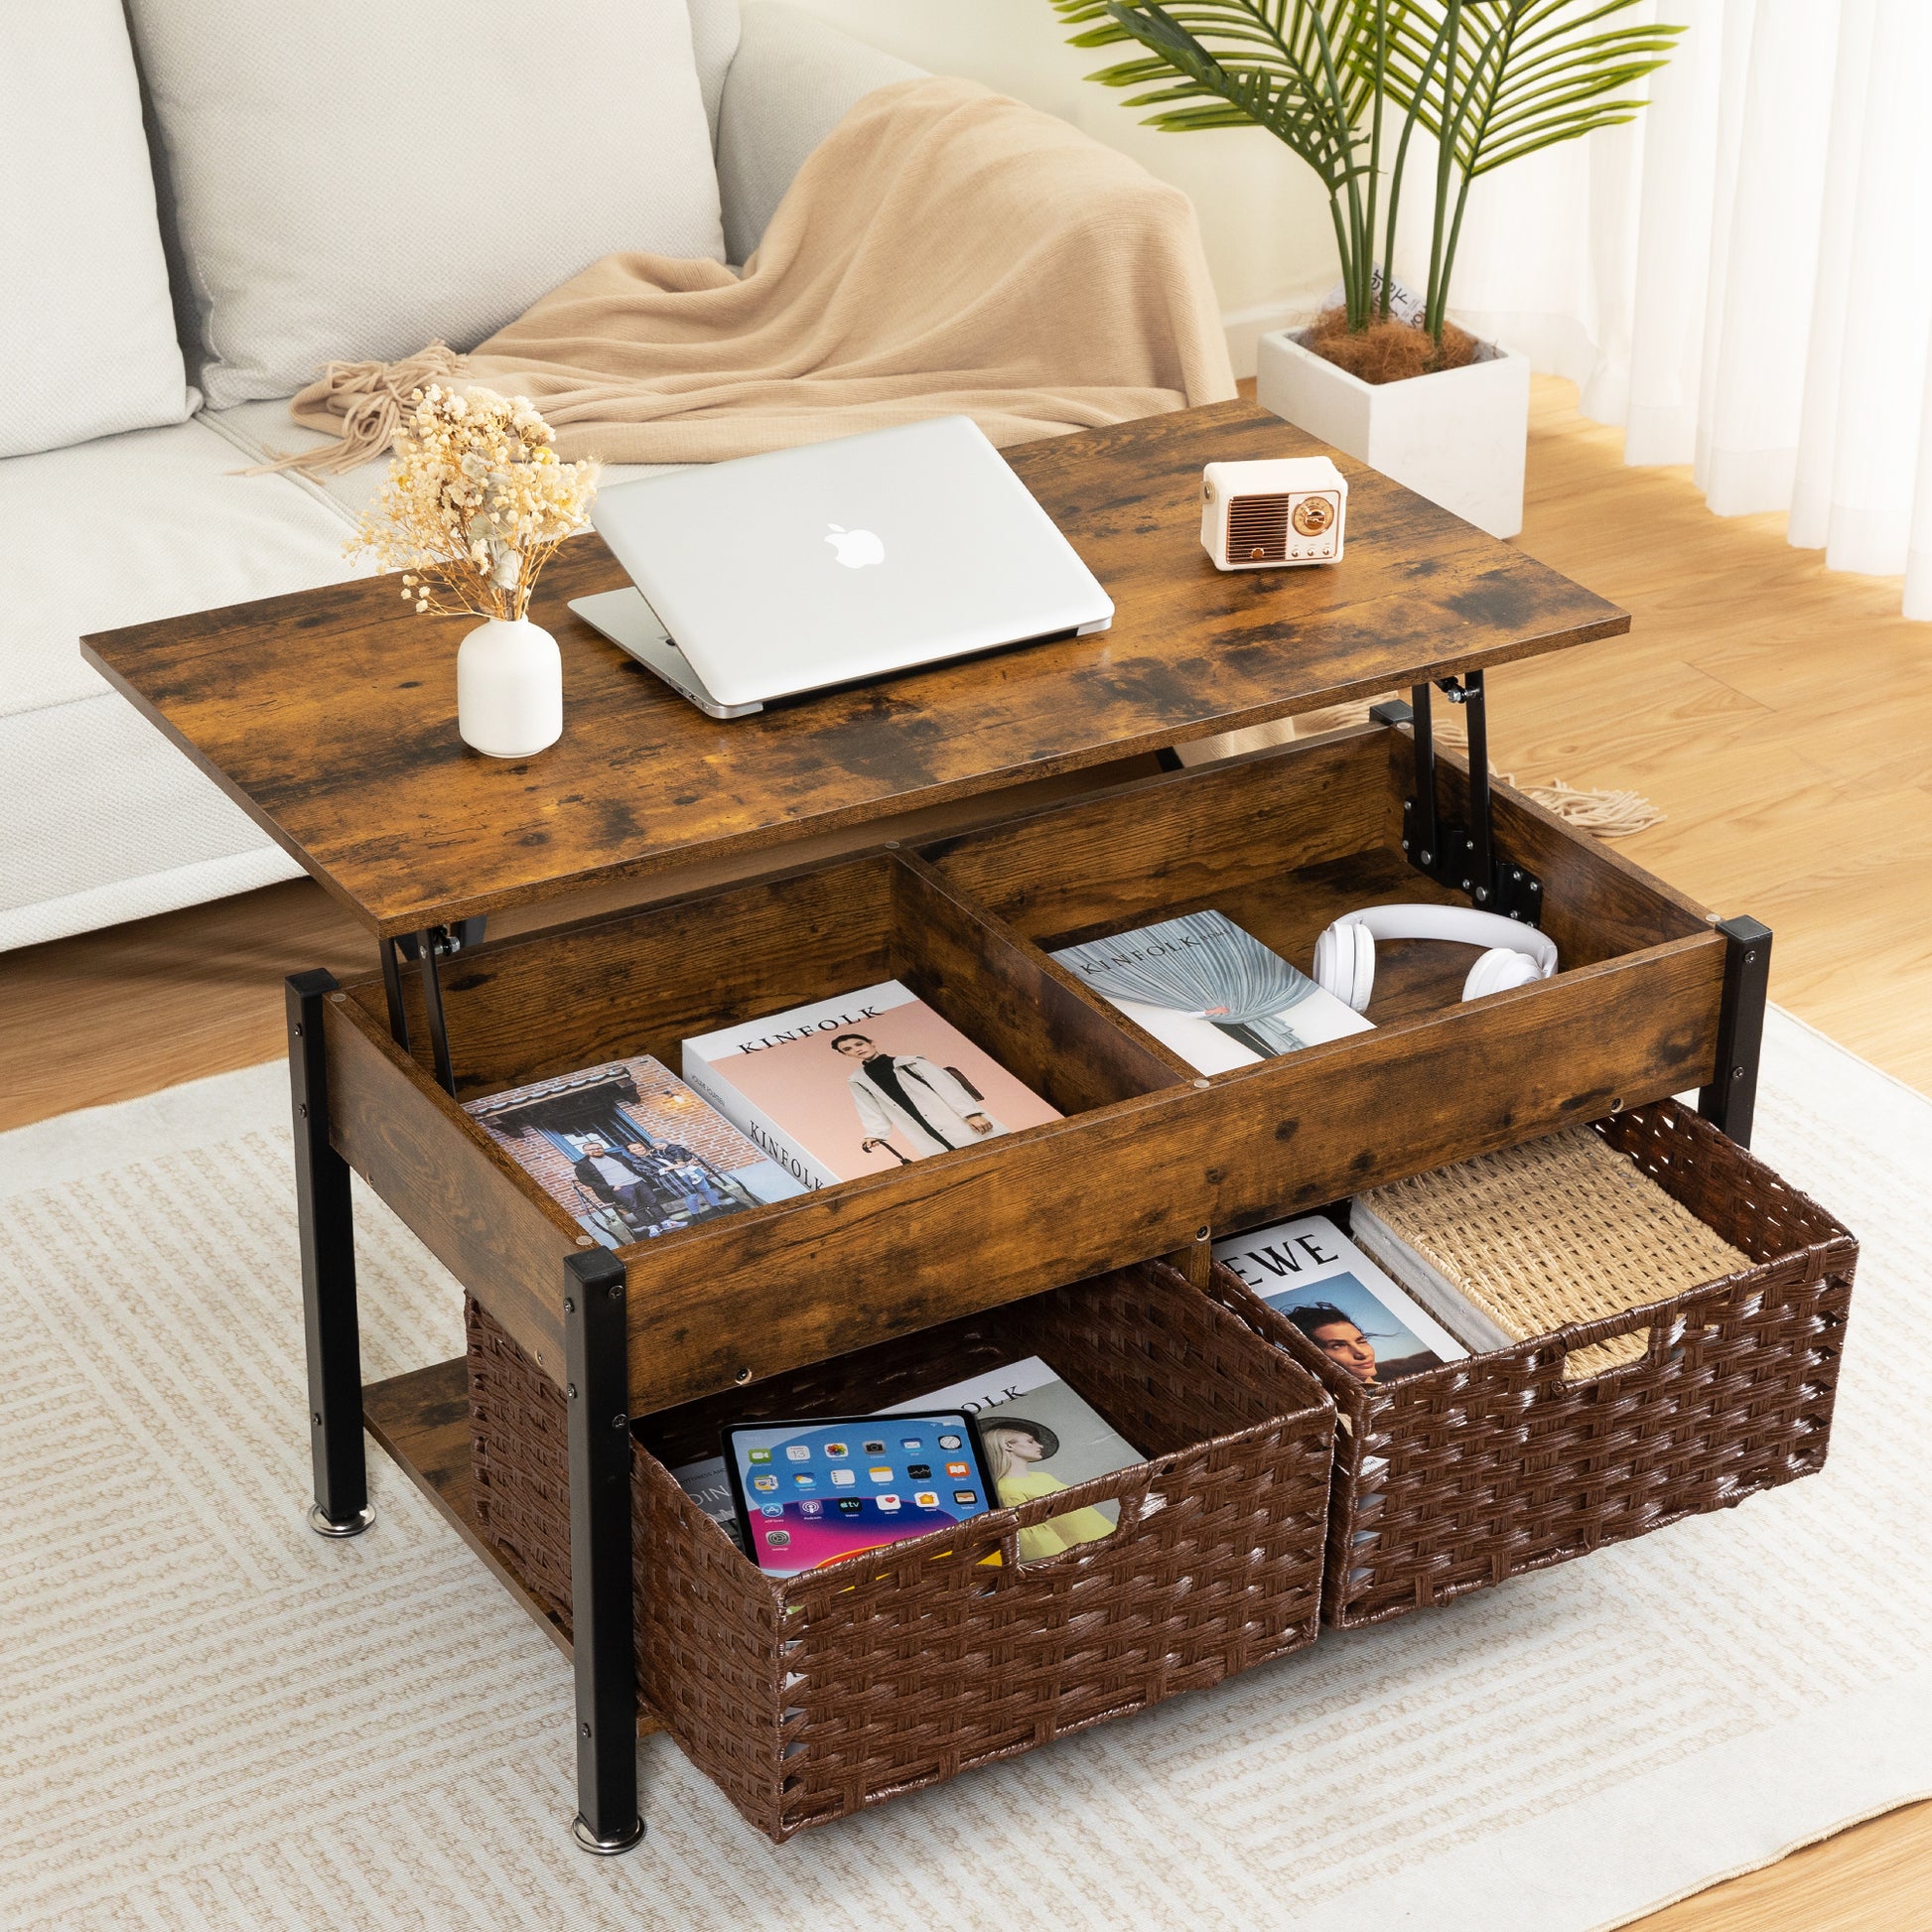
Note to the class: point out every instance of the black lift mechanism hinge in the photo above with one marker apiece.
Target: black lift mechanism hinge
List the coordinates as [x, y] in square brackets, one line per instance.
[1464, 858]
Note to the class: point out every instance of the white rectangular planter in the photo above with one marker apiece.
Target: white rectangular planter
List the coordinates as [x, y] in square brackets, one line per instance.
[1456, 437]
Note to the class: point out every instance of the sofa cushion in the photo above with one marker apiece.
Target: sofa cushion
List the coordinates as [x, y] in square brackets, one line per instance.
[714, 40]
[86, 331]
[134, 527]
[104, 818]
[792, 81]
[106, 821]
[354, 181]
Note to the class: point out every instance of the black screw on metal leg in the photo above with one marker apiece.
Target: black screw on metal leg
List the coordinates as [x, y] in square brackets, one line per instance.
[342, 1504]
[602, 1585]
[1730, 1102]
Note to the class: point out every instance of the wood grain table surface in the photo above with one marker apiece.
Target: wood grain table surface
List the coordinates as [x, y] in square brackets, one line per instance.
[330, 715]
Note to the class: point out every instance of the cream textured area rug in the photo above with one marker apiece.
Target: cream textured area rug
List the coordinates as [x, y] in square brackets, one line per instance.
[213, 1718]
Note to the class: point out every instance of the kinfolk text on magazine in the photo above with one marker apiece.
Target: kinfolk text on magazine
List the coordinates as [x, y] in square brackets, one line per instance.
[863, 1083]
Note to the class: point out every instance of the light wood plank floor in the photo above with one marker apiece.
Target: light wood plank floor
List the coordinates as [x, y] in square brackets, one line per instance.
[1781, 716]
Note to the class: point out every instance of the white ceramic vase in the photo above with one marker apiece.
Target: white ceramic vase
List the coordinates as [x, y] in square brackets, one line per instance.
[1456, 437]
[509, 689]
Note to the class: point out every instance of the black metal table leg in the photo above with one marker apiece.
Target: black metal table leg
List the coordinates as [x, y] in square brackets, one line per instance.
[602, 1607]
[342, 1504]
[1730, 1102]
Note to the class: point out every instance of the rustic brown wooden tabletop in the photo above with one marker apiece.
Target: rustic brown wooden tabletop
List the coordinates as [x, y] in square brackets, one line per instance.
[330, 715]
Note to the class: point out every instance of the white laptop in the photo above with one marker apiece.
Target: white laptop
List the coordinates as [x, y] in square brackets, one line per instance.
[803, 568]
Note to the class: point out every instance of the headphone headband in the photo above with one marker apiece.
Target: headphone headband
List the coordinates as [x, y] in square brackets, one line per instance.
[1460, 923]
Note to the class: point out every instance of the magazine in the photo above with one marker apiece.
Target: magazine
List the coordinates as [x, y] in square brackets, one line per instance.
[628, 1150]
[1359, 1317]
[1211, 991]
[1037, 1435]
[872, 1080]
[1427, 1283]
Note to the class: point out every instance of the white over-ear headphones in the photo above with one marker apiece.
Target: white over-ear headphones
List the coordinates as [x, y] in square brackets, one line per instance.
[1345, 955]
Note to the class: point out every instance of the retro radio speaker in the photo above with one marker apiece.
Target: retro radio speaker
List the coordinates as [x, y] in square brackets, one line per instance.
[1263, 515]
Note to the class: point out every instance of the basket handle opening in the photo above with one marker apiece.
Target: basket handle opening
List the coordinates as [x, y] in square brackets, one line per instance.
[1593, 1349]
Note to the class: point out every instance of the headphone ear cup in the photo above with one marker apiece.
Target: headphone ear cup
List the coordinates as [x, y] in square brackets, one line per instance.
[1345, 963]
[1497, 971]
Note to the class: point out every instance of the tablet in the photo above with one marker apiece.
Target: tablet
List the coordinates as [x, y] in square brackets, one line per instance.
[810, 1492]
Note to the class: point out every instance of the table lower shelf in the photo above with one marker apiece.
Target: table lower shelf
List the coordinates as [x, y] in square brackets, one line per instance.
[422, 1422]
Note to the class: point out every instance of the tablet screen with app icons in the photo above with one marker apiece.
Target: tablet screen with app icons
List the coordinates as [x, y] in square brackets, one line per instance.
[811, 1492]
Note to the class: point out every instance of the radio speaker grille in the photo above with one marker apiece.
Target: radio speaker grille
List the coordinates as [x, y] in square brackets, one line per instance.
[1258, 529]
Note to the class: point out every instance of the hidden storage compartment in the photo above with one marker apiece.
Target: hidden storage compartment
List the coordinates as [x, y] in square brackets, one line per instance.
[609, 989]
[792, 1280]
[1282, 843]
[1285, 841]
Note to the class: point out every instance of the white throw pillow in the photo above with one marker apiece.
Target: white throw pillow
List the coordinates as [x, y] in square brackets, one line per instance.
[86, 330]
[355, 177]
[714, 40]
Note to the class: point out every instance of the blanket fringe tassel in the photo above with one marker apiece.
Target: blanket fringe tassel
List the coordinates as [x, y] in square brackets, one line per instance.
[1609, 814]
[372, 397]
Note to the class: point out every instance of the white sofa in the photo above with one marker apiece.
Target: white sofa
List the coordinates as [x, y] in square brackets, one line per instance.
[100, 819]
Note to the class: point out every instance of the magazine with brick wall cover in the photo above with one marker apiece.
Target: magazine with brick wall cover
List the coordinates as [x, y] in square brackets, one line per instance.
[1345, 1304]
[863, 1083]
[628, 1150]
[1211, 991]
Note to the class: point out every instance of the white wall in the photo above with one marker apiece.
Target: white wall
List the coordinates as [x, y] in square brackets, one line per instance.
[1265, 222]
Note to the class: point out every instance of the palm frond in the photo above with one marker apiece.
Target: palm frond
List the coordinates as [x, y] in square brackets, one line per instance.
[1492, 80]
[1523, 70]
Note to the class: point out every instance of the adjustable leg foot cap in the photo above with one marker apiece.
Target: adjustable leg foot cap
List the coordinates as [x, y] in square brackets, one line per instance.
[605, 1847]
[328, 1526]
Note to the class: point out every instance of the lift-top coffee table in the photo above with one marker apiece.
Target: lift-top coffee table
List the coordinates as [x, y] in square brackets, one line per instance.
[329, 716]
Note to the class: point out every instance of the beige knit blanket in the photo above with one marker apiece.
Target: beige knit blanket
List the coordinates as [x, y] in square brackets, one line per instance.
[944, 250]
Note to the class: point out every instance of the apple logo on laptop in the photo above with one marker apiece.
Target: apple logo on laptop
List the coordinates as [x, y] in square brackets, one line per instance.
[855, 549]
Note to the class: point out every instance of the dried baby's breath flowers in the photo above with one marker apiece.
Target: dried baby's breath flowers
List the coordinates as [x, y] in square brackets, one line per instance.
[473, 503]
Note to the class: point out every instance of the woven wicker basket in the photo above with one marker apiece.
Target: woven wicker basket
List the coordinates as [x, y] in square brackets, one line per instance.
[1463, 1476]
[808, 1698]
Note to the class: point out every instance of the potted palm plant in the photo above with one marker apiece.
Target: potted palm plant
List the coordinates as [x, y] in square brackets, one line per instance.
[1345, 83]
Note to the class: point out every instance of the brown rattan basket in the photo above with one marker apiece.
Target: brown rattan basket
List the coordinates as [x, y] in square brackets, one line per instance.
[810, 1697]
[1464, 1475]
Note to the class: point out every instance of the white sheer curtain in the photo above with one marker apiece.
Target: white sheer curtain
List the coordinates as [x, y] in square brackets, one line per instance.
[1742, 278]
